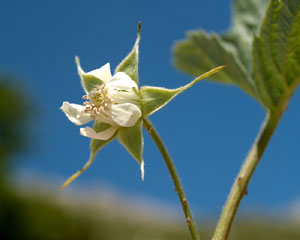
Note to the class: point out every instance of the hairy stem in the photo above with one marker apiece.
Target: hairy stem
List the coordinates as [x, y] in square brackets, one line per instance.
[179, 189]
[239, 188]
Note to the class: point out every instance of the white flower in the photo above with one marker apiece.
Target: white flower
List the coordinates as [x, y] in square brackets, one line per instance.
[113, 100]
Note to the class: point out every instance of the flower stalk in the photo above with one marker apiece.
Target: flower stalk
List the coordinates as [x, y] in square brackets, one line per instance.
[176, 180]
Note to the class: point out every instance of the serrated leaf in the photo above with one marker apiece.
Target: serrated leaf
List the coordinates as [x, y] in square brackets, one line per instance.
[200, 51]
[129, 65]
[247, 18]
[276, 52]
[154, 98]
[292, 62]
[95, 147]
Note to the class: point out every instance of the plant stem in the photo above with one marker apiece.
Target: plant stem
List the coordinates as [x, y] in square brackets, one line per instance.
[179, 189]
[239, 188]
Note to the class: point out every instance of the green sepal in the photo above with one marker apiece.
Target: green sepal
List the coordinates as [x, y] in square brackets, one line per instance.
[88, 81]
[154, 98]
[129, 64]
[132, 139]
[95, 147]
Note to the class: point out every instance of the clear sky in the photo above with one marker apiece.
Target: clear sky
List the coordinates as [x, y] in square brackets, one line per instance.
[208, 130]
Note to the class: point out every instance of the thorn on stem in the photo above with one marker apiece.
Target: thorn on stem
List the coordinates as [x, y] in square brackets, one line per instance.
[184, 202]
[188, 220]
[239, 180]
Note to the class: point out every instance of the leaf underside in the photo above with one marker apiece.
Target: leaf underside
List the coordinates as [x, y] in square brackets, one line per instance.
[202, 51]
[272, 72]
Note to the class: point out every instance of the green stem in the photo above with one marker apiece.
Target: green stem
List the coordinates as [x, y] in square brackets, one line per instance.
[179, 189]
[239, 188]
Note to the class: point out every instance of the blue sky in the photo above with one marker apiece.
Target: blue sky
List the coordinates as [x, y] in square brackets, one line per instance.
[208, 130]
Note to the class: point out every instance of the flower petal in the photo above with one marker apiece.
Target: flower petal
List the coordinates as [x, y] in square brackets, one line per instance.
[122, 81]
[103, 135]
[125, 114]
[102, 73]
[76, 113]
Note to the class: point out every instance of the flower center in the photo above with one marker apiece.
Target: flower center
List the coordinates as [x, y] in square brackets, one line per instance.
[100, 101]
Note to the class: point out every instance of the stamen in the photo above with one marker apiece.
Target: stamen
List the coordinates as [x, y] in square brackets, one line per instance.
[100, 101]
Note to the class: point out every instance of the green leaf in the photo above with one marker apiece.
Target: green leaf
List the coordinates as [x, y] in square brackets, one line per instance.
[247, 17]
[154, 98]
[88, 81]
[272, 73]
[200, 51]
[132, 139]
[276, 53]
[292, 65]
[129, 65]
[95, 147]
